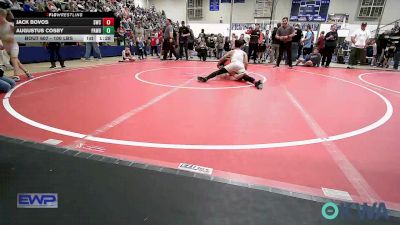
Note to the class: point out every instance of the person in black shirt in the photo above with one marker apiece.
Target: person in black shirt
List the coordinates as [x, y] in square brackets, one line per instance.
[184, 34]
[54, 50]
[275, 45]
[330, 44]
[296, 42]
[227, 45]
[381, 45]
[397, 53]
[254, 40]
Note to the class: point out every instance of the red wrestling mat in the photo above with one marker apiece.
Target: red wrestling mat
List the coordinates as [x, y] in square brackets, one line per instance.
[308, 129]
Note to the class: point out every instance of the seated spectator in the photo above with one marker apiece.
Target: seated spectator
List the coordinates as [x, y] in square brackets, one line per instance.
[388, 55]
[6, 84]
[311, 60]
[127, 55]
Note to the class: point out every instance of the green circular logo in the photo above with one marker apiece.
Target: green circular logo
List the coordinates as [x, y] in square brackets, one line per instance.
[328, 206]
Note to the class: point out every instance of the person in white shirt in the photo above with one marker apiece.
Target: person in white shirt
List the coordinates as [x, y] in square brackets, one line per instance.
[359, 41]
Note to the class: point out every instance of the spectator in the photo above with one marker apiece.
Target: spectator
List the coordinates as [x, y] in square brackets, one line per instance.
[190, 42]
[220, 45]
[51, 7]
[227, 45]
[275, 45]
[160, 41]
[233, 39]
[307, 48]
[312, 59]
[389, 55]
[184, 34]
[140, 48]
[202, 49]
[201, 35]
[267, 39]
[397, 53]
[54, 50]
[139, 32]
[4, 59]
[154, 45]
[381, 45]
[359, 40]
[330, 44]
[121, 34]
[127, 55]
[6, 84]
[285, 33]
[262, 47]
[296, 42]
[15, 5]
[321, 42]
[246, 39]
[255, 37]
[29, 6]
[241, 38]
[374, 54]
[96, 50]
[175, 44]
[211, 45]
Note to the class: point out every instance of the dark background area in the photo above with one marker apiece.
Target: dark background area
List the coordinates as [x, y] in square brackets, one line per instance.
[103, 192]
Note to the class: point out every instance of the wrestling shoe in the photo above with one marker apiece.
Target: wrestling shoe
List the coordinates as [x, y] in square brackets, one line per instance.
[202, 79]
[259, 85]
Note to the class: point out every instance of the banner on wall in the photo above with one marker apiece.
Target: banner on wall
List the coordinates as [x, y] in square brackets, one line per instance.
[305, 10]
[338, 18]
[214, 5]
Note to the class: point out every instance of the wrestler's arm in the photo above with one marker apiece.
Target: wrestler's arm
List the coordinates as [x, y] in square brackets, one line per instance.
[226, 56]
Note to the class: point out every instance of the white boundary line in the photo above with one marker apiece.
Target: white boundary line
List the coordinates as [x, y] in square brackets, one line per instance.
[137, 76]
[375, 85]
[347, 168]
[376, 124]
[129, 114]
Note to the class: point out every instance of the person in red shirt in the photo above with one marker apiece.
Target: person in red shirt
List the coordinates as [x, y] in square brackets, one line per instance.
[154, 44]
[321, 42]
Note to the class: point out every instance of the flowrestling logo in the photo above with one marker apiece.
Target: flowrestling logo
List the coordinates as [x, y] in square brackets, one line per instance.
[354, 211]
[37, 200]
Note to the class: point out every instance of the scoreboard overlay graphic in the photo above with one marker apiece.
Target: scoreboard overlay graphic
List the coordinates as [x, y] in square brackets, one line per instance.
[64, 27]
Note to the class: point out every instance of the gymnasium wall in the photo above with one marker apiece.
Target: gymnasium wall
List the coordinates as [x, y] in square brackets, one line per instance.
[174, 9]
[243, 12]
[141, 3]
